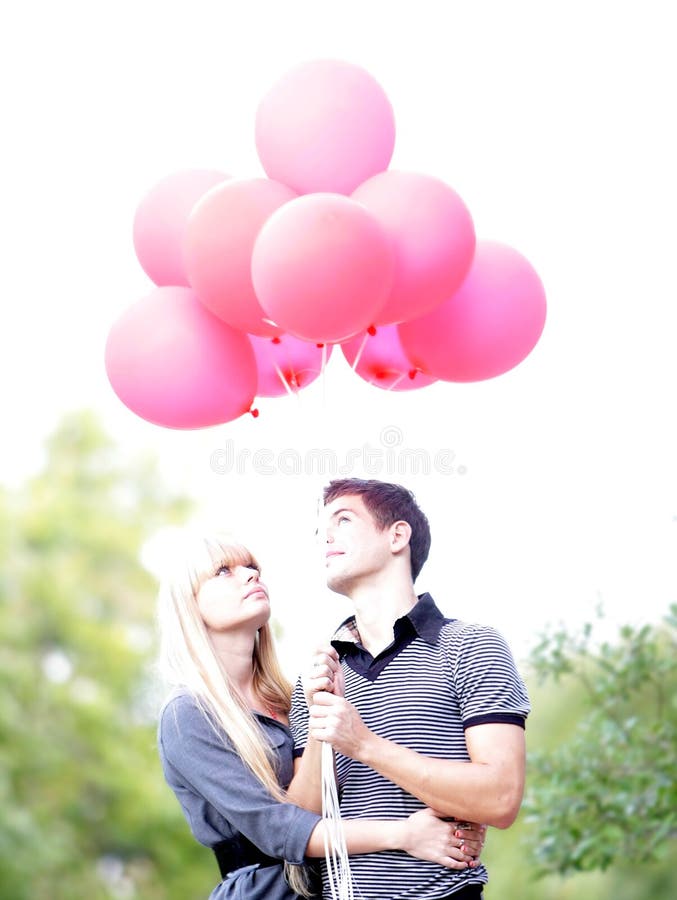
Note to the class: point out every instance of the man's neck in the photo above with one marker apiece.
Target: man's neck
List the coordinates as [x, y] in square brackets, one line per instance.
[377, 608]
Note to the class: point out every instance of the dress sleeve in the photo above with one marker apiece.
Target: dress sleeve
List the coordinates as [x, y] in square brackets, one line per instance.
[298, 718]
[488, 685]
[207, 762]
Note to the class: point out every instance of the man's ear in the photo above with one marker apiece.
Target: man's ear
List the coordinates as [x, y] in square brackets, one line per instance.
[400, 534]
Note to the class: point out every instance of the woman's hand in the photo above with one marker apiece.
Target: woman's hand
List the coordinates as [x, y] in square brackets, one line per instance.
[472, 836]
[325, 674]
[427, 836]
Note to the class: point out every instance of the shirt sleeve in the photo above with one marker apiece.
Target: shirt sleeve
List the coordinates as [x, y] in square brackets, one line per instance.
[488, 685]
[298, 718]
[207, 762]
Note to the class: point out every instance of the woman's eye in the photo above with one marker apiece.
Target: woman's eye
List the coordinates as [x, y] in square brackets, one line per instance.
[343, 519]
[223, 570]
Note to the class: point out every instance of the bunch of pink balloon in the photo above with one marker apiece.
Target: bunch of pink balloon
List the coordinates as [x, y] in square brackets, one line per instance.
[256, 279]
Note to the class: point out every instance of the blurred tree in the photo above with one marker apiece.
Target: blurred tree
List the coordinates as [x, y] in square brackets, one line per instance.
[84, 811]
[557, 708]
[608, 792]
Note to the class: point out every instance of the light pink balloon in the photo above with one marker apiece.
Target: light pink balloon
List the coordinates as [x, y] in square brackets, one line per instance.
[160, 222]
[325, 126]
[322, 267]
[218, 246]
[432, 234]
[381, 361]
[286, 360]
[488, 326]
[175, 364]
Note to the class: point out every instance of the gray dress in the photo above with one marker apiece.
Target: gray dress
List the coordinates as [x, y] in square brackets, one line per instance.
[222, 800]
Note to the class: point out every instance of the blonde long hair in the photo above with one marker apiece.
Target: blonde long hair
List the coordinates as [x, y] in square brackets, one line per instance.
[187, 659]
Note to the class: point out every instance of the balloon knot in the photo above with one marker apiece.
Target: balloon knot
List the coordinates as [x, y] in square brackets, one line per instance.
[412, 373]
[371, 330]
[276, 340]
[254, 412]
[319, 346]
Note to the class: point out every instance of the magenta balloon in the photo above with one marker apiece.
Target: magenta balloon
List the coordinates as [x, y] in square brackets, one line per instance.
[325, 126]
[160, 222]
[382, 361]
[488, 326]
[286, 360]
[175, 364]
[220, 235]
[322, 267]
[433, 237]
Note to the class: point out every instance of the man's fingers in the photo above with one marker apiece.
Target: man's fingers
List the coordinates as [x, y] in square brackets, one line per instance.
[324, 698]
[326, 656]
[321, 733]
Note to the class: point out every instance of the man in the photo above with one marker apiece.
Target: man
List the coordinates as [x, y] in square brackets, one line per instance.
[434, 709]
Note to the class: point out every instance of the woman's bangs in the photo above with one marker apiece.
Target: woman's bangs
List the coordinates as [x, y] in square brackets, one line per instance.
[229, 553]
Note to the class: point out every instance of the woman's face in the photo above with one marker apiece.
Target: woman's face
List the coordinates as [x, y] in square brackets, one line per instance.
[234, 599]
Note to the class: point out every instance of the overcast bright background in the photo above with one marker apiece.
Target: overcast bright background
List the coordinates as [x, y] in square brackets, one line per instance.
[554, 122]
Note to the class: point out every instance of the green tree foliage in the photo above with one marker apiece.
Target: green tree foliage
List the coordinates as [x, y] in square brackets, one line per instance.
[84, 811]
[607, 792]
[558, 706]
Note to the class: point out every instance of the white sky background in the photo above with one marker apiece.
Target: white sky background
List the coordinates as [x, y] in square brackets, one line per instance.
[553, 121]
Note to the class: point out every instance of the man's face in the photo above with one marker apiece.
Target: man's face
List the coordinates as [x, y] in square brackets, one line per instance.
[356, 549]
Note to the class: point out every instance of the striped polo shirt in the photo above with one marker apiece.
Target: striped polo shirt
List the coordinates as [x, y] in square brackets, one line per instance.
[438, 677]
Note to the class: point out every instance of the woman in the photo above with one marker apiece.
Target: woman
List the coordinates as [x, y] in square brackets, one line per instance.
[226, 748]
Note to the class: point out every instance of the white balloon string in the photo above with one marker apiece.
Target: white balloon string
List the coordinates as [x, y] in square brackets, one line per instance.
[397, 380]
[284, 381]
[359, 352]
[293, 379]
[324, 377]
[335, 851]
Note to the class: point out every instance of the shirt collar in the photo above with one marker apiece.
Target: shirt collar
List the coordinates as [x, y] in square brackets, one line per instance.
[424, 617]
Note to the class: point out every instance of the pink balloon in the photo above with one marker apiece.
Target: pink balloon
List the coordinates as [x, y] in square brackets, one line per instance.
[488, 326]
[286, 360]
[175, 364]
[325, 126]
[381, 361]
[322, 267]
[218, 246]
[433, 237]
[160, 222]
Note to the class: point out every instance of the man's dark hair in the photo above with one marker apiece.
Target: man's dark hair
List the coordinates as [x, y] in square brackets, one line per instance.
[388, 503]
